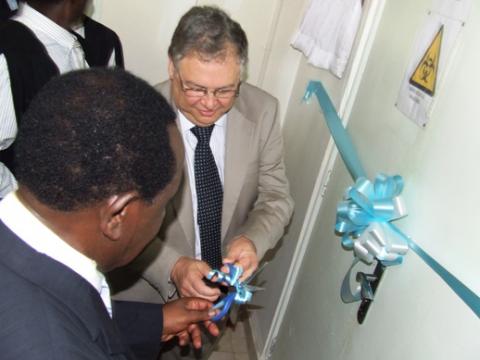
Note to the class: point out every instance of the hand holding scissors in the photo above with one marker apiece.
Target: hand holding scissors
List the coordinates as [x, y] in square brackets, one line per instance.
[239, 291]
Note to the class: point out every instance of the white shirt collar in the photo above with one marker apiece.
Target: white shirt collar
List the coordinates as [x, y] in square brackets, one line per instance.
[186, 124]
[38, 236]
[40, 23]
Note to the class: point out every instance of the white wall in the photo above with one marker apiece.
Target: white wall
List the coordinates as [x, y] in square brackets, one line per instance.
[146, 27]
[415, 315]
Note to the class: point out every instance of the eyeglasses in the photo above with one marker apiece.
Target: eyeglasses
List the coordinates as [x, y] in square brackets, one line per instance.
[198, 91]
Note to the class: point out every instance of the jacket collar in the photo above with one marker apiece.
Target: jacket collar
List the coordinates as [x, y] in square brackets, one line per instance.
[63, 285]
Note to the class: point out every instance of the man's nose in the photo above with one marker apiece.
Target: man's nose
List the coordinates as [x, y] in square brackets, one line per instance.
[209, 100]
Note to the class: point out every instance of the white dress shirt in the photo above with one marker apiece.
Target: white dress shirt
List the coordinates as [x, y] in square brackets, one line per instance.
[66, 53]
[217, 145]
[38, 236]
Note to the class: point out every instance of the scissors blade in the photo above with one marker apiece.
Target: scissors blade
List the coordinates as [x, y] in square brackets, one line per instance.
[255, 273]
[254, 288]
[234, 310]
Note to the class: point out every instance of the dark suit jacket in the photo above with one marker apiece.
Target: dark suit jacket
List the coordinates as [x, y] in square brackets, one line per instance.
[99, 43]
[47, 311]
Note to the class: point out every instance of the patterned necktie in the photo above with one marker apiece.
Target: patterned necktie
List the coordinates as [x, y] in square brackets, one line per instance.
[209, 198]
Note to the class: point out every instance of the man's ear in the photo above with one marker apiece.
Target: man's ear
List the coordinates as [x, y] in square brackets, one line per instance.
[118, 214]
[171, 68]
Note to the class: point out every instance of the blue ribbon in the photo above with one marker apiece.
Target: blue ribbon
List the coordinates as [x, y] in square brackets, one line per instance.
[364, 217]
[334, 123]
[242, 292]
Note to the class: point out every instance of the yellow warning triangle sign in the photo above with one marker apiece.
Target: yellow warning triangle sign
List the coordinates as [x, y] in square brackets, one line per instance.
[425, 75]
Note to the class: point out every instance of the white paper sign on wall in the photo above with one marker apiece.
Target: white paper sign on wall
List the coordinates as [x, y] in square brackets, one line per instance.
[433, 50]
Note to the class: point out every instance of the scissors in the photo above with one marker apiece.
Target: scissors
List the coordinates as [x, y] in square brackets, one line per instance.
[239, 291]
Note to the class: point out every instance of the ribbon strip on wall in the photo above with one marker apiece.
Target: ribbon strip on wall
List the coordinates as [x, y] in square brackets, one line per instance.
[364, 218]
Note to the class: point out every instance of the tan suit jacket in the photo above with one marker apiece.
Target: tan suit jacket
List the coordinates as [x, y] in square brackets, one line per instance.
[256, 202]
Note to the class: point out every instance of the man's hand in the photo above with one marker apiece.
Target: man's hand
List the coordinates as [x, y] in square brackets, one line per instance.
[194, 334]
[242, 252]
[180, 318]
[188, 275]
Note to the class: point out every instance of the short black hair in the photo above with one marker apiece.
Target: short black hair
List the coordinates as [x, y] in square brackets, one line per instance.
[207, 30]
[90, 134]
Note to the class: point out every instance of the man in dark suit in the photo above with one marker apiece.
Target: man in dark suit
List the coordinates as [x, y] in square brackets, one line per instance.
[99, 156]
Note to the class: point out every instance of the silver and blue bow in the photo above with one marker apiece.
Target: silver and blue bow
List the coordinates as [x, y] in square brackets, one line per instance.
[363, 219]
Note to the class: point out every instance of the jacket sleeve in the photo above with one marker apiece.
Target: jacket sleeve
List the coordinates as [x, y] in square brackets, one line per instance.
[141, 326]
[273, 207]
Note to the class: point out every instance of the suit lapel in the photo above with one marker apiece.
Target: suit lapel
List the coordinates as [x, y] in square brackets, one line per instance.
[182, 205]
[182, 201]
[237, 147]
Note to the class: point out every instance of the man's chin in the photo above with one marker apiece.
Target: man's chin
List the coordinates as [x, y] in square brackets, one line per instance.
[205, 120]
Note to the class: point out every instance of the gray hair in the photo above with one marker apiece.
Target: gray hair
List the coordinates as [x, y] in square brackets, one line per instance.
[207, 31]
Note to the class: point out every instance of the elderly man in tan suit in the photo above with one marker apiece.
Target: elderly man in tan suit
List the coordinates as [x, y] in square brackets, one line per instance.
[243, 208]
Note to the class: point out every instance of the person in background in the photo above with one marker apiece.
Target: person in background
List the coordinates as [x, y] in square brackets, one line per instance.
[234, 201]
[37, 44]
[101, 45]
[99, 157]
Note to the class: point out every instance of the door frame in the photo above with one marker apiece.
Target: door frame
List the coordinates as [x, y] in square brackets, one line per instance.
[373, 10]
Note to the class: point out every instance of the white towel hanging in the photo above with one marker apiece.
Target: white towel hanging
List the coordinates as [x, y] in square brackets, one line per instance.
[327, 33]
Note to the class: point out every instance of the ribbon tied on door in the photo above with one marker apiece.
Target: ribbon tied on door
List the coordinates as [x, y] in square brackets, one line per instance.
[362, 218]
[365, 216]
